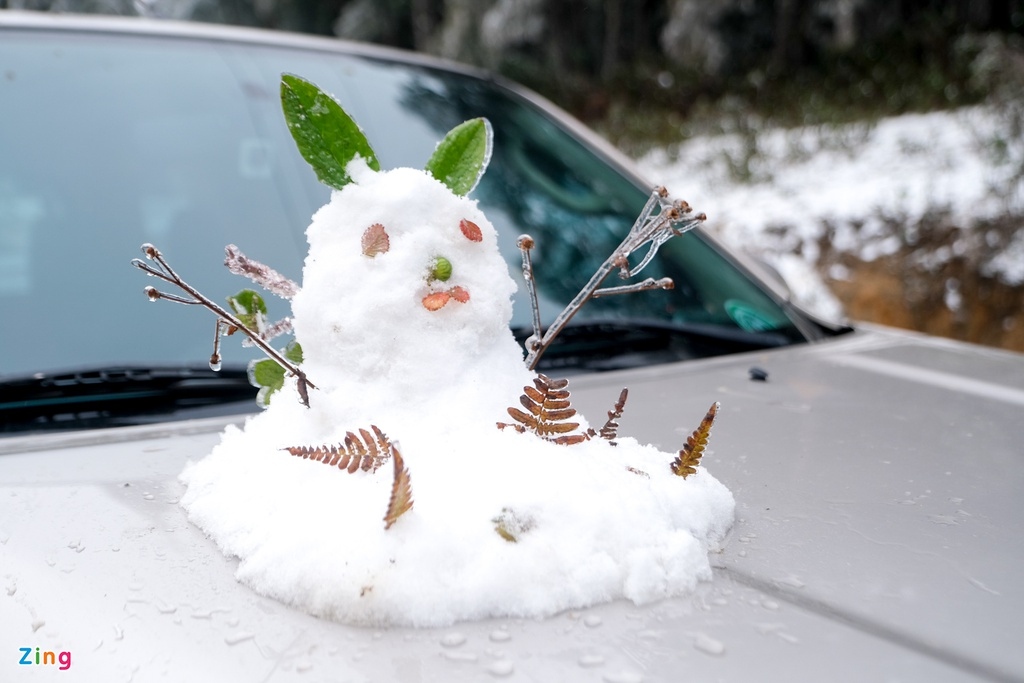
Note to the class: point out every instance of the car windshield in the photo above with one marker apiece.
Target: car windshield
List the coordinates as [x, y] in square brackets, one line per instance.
[110, 141]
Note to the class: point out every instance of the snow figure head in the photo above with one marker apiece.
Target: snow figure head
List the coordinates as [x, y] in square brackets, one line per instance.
[404, 290]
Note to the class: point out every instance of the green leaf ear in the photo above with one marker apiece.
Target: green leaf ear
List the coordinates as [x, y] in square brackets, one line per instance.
[461, 158]
[326, 136]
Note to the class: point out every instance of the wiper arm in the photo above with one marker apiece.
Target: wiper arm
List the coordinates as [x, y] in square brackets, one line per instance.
[616, 343]
[110, 392]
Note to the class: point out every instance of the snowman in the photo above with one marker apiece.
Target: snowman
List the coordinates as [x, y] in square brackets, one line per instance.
[403, 316]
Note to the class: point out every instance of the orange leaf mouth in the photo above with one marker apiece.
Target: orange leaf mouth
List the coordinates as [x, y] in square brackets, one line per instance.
[436, 301]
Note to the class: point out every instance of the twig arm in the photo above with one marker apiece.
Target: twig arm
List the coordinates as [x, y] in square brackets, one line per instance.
[167, 274]
[659, 220]
[525, 244]
[648, 284]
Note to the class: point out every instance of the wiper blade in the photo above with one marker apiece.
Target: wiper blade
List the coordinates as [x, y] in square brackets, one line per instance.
[617, 343]
[111, 393]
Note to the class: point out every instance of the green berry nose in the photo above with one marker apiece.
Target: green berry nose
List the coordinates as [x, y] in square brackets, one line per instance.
[441, 269]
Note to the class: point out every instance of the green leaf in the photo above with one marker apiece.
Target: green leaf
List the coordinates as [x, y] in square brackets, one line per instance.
[293, 352]
[461, 158]
[327, 137]
[269, 376]
[250, 308]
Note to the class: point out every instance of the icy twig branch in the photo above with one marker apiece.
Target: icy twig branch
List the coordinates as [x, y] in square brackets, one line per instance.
[660, 220]
[266, 277]
[263, 275]
[273, 330]
[525, 244]
[649, 283]
[225, 319]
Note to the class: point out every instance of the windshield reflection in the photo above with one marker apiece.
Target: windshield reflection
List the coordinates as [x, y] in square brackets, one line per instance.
[123, 140]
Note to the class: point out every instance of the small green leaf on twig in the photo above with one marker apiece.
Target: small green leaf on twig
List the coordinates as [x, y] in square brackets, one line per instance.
[326, 136]
[249, 307]
[461, 158]
[293, 352]
[269, 376]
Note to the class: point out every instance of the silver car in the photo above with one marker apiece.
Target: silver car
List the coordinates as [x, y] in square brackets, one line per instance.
[875, 471]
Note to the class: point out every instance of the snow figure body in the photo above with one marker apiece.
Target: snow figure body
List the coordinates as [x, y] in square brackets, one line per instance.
[503, 523]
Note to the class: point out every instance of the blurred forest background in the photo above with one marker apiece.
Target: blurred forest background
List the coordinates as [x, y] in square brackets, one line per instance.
[651, 75]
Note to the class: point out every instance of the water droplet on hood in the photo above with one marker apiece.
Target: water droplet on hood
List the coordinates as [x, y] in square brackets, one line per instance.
[500, 636]
[502, 667]
[453, 639]
[709, 645]
[240, 637]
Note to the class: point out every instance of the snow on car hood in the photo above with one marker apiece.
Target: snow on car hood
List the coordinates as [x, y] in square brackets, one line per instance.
[876, 477]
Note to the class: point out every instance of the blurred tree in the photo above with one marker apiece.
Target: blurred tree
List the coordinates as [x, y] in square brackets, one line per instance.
[583, 52]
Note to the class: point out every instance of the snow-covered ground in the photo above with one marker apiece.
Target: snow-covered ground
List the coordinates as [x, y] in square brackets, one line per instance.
[853, 180]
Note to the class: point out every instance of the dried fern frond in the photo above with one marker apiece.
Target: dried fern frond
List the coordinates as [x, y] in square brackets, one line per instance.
[365, 451]
[688, 459]
[547, 412]
[610, 430]
[401, 492]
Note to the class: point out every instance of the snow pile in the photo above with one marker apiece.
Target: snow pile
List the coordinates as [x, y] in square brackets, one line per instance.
[504, 523]
[853, 179]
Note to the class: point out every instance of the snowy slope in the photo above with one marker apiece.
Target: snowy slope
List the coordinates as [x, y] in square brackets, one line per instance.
[852, 178]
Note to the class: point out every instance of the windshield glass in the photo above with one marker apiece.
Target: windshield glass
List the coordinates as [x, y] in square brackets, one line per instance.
[111, 141]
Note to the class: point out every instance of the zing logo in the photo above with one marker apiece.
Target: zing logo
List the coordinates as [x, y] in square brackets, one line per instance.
[45, 657]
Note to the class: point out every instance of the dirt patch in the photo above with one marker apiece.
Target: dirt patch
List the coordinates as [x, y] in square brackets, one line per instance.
[934, 282]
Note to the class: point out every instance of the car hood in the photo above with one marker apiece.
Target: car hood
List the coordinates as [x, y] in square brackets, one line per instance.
[877, 479]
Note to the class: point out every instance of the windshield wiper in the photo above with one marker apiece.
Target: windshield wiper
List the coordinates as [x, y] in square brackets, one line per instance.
[617, 343]
[120, 394]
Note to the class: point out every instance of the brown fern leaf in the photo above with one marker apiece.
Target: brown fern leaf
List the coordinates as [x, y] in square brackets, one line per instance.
[688, 459]
[547, 412]
[570, 439]
[610, 430]
[366, 451]
[401, 492]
